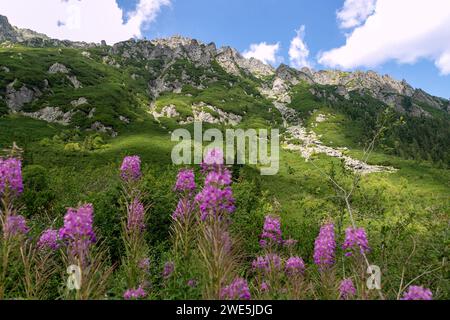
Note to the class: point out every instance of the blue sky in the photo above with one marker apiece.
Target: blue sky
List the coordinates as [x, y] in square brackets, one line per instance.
[407, 39]
[239, 23]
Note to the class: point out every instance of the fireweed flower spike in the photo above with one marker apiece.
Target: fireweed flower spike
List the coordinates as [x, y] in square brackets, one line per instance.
[136, 216]
[346, 289]
[324, 247]
[355, 239]
[185, 181]
[131, 168]
[144, 264]
[133, 294]
[11, 176]
[15, 225]
[237, 290]
[48, 240]
[169, 267]
[268, 263]
[271, 231]
[78, 231]
[418, 293]
[295, 266]
[213, 201]
[184, 208]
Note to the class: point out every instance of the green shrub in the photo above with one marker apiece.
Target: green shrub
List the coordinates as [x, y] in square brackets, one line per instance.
[37, 196]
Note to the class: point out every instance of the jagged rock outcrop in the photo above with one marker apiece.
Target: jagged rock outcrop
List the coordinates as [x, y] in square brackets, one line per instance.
[58, 68]
[16, 98]
[52, 115]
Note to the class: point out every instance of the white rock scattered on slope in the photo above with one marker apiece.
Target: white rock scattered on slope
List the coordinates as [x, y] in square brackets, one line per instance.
[57, 68]
[169, 111]
[52, 115]
[75, 82]
[100, 127]
[310, 143]
[79, 102]
[15, 99]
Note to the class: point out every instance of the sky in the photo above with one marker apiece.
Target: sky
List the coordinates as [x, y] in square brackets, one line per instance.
[407, 39]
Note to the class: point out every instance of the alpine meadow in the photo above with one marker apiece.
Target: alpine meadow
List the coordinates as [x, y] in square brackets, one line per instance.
[93, 207]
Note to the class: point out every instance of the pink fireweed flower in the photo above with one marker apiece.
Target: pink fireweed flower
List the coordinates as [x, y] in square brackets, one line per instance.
[324, 247]
[267, 263]
[15, 225]
[134, 294]
[192, 283]
[185, 181]
[346, 289]
[271, 231]
[295, 266]
[169, 268]
[355, 239]
[11, 176]
[219, 178]
[237, 290]
[78, 232]
[131, 168]
[215, 202]
[213, 157]
[264, 287]
[48, 240]
[183, 210]
[144, 264]
[136, 216]
[418, 293]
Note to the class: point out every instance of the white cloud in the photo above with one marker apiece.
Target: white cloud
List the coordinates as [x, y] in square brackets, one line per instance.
[298, 51]
[83, 20]
[402, 30]
[355, 12]
[264, 52]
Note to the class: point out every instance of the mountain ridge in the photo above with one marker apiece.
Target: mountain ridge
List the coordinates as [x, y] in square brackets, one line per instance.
[380, 86]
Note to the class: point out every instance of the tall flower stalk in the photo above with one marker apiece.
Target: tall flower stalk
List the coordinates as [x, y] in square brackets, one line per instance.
[13, 225]
[183, 218]
[135, 263]
[216, 203]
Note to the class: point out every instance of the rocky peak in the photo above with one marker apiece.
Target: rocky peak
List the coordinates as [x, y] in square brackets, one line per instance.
[7, 31]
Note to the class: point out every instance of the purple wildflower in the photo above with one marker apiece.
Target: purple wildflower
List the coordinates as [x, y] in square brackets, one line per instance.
[48, 240]
[221, 177]
[133, 294]
[268, 263]
[214, 201]
[237, 290]
[265, 287]
[355, 239]
[213, 157]
[144, 264]
[131, 168]
[325, 246]
[15, 225]
[272, 231]
[136, 216]
[184, 209]
[169, 268]
[295, 266]
[11, 176]
[346, 289]
[418, 293]
[192, 283]
[78, 230]
[185, 181]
